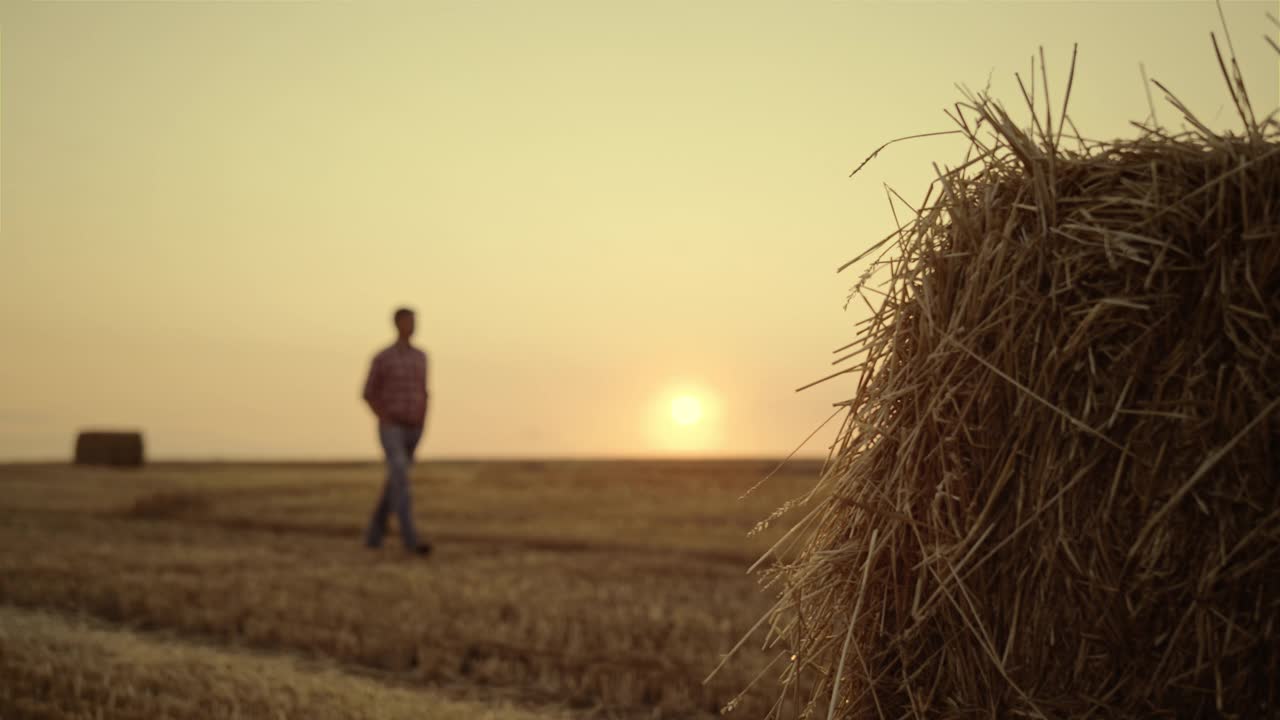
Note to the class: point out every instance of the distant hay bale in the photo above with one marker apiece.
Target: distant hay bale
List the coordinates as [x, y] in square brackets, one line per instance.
[123, 449]
[1056, 493]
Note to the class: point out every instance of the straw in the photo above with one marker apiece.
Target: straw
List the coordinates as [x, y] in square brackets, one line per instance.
[1055, 493]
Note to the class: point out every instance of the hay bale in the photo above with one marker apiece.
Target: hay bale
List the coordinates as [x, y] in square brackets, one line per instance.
[122, 449]
[1057, 490]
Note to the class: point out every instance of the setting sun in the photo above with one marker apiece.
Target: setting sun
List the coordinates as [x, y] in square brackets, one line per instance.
[686, 418]
[686, 410]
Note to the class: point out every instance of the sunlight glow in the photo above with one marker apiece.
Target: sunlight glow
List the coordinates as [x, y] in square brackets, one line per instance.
[686, 410]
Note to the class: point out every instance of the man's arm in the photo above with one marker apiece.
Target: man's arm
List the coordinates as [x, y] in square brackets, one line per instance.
[371, 386]
[426, 387]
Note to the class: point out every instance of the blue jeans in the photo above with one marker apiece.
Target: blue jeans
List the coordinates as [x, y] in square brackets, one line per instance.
[398, 442]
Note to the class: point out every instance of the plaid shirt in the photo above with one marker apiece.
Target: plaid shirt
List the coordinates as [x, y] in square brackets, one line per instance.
[397, 385]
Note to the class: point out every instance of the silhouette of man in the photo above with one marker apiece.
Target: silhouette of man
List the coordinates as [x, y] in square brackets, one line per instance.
[396, 391]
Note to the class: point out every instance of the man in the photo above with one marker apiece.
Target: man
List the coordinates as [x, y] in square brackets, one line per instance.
[396, 391]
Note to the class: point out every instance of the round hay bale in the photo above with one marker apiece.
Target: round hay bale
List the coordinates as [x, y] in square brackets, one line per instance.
[1057, 490]
[121, 449]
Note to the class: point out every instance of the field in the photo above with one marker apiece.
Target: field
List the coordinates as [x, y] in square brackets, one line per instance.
[557, 590]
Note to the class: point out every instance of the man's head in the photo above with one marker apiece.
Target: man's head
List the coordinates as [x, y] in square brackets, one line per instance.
[404, 322]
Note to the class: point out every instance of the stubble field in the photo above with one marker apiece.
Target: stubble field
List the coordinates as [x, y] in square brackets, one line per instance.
[557, 590]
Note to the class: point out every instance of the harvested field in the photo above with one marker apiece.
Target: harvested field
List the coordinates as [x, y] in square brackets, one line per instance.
[558, 589]
[57, 668]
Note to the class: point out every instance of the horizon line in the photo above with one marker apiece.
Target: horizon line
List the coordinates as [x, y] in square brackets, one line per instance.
[441, 459]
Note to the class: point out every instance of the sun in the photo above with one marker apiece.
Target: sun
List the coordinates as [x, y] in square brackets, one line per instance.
[686, 410]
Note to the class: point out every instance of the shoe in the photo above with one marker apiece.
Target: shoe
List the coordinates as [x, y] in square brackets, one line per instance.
[423, 549]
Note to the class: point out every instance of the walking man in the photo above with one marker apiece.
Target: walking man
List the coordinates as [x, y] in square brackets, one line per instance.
[396, 391]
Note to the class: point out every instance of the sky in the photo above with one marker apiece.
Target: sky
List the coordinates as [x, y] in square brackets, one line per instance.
[208, 210]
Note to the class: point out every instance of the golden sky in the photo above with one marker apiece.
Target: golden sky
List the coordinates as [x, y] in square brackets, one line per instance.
[209, 210]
